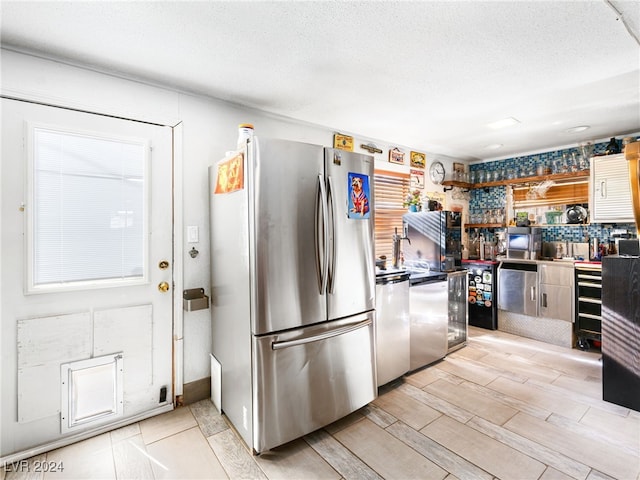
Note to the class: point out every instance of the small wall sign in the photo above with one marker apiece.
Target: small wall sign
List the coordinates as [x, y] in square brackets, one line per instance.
[370, 148]
[343, 142]
[418, 160]
[396, 156]
[416, 178]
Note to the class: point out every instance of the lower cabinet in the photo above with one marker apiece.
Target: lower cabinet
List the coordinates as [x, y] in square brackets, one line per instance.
[556, 291]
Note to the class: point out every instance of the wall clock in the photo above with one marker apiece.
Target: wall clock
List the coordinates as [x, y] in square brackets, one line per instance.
[436, 172]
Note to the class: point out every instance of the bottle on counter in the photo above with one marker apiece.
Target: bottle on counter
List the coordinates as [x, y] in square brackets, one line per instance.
[594, 251]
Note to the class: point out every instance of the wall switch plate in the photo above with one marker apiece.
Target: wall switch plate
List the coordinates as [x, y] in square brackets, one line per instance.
[192, 234]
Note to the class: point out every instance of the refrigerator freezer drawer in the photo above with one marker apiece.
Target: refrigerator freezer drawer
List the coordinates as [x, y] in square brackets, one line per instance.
[307, 378]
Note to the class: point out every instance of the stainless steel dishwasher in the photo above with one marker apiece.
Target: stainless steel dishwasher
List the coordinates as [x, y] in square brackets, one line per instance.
[429, 307]
[392, 325]
[517, 288]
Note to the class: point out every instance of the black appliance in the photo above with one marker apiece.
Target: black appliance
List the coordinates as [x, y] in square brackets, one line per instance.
[621, 331]
[435, 241]
[588, 326]
[483, 292]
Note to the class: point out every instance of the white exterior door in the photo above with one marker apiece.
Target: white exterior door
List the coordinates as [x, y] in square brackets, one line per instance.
[87, 273]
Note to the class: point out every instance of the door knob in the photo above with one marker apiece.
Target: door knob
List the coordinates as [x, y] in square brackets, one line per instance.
[163, 286]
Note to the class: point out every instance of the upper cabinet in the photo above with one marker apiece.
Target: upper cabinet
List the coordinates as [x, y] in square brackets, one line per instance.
[610, 192]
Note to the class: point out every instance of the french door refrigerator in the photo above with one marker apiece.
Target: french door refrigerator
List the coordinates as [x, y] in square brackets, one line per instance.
[292, 287]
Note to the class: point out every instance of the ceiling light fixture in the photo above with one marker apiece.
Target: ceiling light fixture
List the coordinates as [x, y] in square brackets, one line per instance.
[494, 146]
[505, 122]
[580, 128]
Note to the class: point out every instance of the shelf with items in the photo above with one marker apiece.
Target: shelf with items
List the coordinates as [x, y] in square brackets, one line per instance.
[556, 177]
[551, 206]
[484, 225]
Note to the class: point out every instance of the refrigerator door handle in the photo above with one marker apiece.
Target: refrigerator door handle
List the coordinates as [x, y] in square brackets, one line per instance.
[322, 261]
[332, 236]
[321, 336]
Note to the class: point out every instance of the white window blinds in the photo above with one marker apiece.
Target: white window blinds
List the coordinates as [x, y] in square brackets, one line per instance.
[391, 189]
[88, 213]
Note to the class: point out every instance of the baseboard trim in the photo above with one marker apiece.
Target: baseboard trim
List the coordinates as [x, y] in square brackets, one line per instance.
[193, 392]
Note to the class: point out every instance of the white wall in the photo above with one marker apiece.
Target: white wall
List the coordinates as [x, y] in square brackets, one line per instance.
[209, 129]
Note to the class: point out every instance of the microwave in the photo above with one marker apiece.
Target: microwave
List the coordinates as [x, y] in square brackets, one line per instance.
[524, 242]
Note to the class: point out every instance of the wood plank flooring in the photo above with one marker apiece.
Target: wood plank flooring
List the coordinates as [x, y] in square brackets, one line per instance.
[503, 407]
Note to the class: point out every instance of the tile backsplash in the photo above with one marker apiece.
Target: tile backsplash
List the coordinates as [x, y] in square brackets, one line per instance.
[495, 197]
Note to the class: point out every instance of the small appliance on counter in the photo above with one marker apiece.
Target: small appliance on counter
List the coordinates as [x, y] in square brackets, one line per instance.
[628, 247]
[524, 243]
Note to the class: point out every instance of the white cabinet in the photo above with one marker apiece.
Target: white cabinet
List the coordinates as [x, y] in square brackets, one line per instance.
[610, 191]
[556, 285]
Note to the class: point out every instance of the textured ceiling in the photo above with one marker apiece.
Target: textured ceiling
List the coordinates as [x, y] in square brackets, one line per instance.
[426, 75]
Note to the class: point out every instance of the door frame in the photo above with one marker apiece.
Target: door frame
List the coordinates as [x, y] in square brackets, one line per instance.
[177, 349]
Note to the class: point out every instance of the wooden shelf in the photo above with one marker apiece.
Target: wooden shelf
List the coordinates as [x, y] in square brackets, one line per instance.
[484, 225]
[455, 183]
[556, 177]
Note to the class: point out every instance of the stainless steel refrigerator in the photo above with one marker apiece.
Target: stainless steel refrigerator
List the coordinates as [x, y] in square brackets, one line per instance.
[438, 292]
[292, 287]
[435, 240]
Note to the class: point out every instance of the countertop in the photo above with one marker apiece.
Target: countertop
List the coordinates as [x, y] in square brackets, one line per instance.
[416, 275]
[482, 262]
[567, 262]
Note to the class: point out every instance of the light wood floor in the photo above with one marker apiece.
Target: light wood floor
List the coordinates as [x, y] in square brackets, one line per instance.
[503, 407]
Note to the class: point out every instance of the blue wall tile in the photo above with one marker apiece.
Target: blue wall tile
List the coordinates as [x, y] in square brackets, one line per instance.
[495, 197]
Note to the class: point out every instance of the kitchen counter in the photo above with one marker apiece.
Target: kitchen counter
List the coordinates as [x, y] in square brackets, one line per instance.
[483, 262]
[415, 274]
[568, 262]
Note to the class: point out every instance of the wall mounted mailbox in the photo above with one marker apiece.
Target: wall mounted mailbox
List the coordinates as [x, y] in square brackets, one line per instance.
[194, 299]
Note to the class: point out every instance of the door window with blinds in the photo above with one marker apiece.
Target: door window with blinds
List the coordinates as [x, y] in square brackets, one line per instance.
[391, 189]
[87, 210]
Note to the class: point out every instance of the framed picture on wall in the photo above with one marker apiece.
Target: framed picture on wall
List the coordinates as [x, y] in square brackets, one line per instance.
[416, 178]
[418, 160]
[396, 156]
[343, 142]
